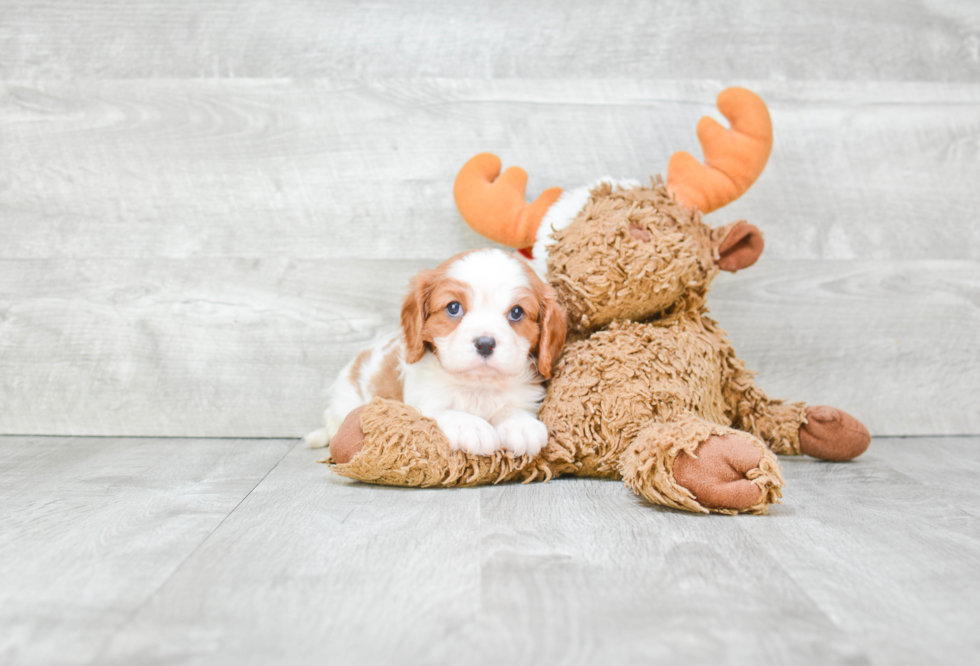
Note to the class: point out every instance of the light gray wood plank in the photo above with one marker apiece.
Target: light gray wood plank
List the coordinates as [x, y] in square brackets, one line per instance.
[573, 572]
[883, 555]
[582, 572]
[329, 169]
[946, 468]
[90, 529]
[856, 566]
[893, 343]
[831, 40]
[313, 568]
[245, 347]
[176, 348]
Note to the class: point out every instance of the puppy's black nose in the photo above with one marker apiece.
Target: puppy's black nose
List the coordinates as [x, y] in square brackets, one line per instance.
[484, 346]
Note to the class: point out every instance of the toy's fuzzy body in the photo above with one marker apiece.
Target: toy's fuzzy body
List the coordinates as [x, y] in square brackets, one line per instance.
[648, 389]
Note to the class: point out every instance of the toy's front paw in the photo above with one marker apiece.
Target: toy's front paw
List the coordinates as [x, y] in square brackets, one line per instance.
[832, 434]
[717, 476]
[349, 438]
[522, 434]
[468, 433]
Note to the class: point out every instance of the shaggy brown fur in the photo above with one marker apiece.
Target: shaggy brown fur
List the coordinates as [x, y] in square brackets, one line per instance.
[603, 272]
[646, 377]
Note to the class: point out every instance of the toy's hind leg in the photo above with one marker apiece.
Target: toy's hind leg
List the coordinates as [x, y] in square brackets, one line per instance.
[775, 422]
[791, 428]
[696, 465]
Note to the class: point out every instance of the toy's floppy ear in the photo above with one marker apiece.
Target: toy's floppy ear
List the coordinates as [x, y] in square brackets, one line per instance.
[740, 247]
[495, 207]
[415, 309]
[733, 159]
[553, 331]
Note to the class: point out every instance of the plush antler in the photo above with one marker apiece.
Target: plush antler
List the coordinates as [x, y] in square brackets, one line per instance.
[495, 207]
[733, 158]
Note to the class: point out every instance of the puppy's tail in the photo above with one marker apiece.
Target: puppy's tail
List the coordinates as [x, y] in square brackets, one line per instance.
[317, 439]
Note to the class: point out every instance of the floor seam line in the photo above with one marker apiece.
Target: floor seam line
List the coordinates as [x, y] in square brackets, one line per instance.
[132, 615]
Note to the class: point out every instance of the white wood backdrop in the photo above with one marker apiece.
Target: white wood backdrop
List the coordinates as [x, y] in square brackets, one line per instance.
[205, 210]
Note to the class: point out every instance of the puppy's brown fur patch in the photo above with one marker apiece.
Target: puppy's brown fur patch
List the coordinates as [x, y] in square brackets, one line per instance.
[549, 317]
[386, 382]
[355, 370]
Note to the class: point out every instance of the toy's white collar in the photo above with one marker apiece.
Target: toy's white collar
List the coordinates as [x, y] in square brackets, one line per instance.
[561, 214]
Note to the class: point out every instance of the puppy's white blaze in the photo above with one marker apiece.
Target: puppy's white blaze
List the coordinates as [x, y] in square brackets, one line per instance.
[494, 274]
[494, 278]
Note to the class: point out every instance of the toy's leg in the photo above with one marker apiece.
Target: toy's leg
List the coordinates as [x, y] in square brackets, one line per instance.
[775, 422]
[791, 428]
[388, 443]
[699, 466]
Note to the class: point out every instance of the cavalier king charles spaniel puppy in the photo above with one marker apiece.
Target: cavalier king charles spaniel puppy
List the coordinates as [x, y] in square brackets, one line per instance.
[479, 334]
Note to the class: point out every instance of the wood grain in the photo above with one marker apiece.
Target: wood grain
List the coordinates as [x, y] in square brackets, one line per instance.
[676, 39]
[894, 343]
[245, 347]
[329, 169]
[948, 468]
[312, 568]
[90, 529]
[171, 347]
[572, 572]
[874, 547]
[868, 562]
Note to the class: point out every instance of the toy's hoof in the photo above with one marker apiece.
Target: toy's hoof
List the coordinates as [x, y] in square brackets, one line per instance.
[717, 477]
[349, 439]
[831, 434]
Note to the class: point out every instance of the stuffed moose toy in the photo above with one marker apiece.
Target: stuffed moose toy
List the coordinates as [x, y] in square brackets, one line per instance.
[648, 388]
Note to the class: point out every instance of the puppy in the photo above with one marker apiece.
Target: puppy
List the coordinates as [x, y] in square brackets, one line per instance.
[478, 336]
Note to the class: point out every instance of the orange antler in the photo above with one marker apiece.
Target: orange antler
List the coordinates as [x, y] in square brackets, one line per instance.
[733, 158]
[495, 207]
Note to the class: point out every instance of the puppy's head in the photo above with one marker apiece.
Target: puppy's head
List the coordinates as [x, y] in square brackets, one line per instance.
[483, 313]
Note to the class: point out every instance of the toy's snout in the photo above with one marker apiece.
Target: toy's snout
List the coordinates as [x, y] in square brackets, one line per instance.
[740, 247]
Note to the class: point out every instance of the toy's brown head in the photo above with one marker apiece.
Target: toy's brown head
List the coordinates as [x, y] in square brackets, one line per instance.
[635, 253]
[624, 251]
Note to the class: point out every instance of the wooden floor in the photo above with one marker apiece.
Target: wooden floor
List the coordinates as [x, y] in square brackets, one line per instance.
[224, 551]
[206, 209]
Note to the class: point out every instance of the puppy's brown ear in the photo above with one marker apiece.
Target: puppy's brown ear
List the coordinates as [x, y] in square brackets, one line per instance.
[553, 330]
[415, 309]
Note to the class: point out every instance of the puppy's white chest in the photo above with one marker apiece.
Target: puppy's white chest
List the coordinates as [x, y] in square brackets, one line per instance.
[480, 401]
[431, 389]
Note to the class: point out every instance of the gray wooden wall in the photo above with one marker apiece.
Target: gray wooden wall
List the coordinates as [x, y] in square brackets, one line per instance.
[206, 208]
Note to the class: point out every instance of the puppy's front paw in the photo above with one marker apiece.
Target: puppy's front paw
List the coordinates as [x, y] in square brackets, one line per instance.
[469, 433]
[522, 434]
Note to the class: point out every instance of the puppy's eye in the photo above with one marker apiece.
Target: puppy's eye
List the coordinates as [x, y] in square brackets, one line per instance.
[454, 309]
[516, 313]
